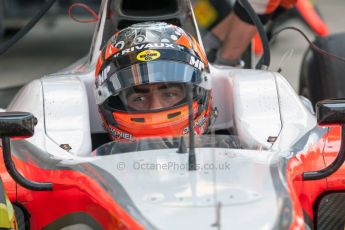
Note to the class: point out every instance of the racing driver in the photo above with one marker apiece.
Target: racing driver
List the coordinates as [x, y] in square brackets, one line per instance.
[142, 77]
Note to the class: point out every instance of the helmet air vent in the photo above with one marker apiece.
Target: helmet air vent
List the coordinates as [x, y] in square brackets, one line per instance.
[138, 119]
[172, 115]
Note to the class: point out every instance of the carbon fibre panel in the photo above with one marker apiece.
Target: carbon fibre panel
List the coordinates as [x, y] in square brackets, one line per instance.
[331, 212]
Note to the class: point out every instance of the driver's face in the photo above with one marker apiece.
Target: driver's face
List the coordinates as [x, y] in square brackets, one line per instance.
[155, 96]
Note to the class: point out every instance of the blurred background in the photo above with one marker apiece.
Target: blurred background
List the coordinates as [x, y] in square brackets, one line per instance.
[57, 41]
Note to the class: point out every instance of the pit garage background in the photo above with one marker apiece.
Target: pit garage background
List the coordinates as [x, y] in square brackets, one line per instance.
[57, 41]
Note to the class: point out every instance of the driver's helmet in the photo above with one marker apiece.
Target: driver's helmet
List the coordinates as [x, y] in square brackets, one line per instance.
[142, 77]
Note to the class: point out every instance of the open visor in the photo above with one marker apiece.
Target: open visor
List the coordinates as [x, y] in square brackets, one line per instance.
[111, 82]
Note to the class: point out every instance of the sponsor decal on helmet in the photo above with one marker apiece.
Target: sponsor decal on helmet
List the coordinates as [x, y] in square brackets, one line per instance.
[120, 135]
[196, 63]
[103, 76]
[139, 39]
[200, 126]
[120, 45]
[148, 55]
[147, 46]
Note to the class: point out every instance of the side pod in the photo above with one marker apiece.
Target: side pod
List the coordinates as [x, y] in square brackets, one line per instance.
[330, 112]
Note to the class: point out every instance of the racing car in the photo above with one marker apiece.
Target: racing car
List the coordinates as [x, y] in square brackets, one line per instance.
[280, 167]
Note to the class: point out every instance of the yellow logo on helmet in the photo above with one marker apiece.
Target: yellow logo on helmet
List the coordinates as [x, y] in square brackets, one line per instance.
[148, 55]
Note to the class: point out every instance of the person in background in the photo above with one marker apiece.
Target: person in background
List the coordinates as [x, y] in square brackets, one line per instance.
[234, 33]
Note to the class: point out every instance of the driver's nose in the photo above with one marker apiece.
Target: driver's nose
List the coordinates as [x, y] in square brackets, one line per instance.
[155, 102]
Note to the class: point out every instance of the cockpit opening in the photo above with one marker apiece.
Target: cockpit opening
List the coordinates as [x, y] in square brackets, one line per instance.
[148, 7]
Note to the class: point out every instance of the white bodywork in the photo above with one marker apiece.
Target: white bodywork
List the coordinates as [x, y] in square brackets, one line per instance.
[255, 104]
[260, 107]
[171, 197]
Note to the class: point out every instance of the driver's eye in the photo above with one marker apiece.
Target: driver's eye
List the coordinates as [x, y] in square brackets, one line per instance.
[170, 94]
[138, 102]
[139, 99]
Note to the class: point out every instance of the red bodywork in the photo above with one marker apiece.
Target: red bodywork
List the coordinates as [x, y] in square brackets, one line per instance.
[75, 192]
[306, 193]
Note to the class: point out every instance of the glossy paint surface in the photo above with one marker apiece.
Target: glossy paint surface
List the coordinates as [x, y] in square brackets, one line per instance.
[317, 155]
[73, 192]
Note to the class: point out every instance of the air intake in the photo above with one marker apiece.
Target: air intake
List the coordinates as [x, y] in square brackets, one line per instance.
[148, 7]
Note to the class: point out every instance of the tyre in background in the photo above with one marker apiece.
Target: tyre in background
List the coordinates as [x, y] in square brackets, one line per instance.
[322, 77]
